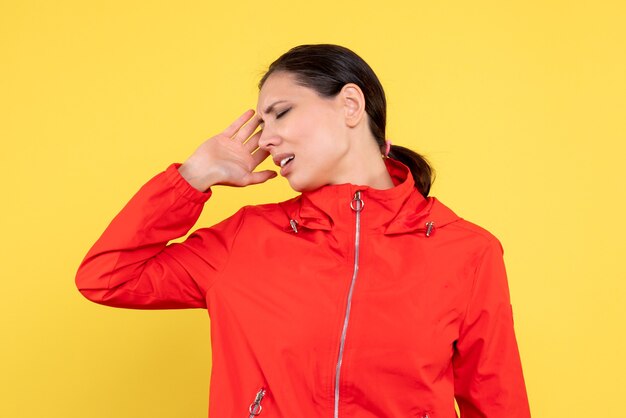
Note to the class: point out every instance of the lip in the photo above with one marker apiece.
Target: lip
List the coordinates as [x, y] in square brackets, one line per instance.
[278, 158]
[286, 169]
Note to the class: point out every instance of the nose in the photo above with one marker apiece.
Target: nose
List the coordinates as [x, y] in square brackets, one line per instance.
[268, 139]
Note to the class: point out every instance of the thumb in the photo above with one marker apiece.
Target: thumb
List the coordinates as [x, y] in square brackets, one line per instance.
[261, 176]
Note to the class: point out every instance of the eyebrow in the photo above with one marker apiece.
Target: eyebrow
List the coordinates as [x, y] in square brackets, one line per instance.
[271, 107]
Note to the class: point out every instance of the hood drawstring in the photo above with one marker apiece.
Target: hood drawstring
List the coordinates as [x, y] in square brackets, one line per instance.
[430, 226]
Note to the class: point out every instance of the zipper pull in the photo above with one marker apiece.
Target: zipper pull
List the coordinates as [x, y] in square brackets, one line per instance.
[430, 225]
[255, 407]
[357, 203]
[294, 225]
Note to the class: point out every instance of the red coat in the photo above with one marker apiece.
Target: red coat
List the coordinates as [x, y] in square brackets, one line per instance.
[391, 295]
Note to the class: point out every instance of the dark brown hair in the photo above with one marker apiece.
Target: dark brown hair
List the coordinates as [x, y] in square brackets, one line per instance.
[326, 68]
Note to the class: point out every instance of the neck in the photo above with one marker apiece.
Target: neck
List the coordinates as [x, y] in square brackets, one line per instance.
[374, 174]
[364, 166]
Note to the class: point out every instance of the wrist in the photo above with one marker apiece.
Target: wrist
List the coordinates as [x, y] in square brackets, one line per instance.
[200, 180]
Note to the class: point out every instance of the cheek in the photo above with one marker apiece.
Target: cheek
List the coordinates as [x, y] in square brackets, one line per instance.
[326, 121]
[326, 134]
[318, 139]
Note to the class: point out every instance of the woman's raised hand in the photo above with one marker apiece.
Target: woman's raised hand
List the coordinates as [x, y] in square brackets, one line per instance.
[229, 158]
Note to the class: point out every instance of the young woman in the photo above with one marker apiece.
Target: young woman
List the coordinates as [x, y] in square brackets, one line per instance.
[361, 297]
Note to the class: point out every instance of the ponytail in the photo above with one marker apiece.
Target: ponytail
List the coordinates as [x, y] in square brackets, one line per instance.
[423, 174]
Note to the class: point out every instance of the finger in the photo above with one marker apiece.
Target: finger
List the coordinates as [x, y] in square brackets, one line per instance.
[238, 123]
[259, 156]
[252, 143]
[261, 176]
[245, 132]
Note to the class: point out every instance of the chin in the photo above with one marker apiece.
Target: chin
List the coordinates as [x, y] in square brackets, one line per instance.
[303, 185]
[299, 188]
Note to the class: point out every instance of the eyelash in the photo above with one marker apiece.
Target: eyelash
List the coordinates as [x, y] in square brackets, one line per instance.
[281, 114]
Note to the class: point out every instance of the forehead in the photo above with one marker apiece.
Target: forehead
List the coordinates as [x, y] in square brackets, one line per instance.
[281, 86]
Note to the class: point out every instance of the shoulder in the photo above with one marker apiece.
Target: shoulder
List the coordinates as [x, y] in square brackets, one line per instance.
[266, 215]
[248, 220]
[462, 229]
[273, 210]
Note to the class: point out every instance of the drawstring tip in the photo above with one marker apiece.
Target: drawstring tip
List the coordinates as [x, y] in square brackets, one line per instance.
[430, 225]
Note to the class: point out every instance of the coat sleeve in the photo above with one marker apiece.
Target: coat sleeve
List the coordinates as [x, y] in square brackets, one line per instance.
[132, 265]
[488, 379]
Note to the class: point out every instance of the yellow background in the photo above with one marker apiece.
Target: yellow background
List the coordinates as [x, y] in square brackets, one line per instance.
[521, 106]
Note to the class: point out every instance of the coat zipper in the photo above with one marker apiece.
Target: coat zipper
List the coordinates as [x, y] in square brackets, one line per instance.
[255, 407]
[357, 206]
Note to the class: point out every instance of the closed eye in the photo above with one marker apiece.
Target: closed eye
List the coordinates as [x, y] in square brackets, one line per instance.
[281, 114]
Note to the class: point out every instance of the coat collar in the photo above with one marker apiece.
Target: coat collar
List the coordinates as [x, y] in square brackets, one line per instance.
[397, 210]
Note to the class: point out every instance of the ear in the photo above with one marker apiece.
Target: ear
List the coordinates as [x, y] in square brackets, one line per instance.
[353, 102]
